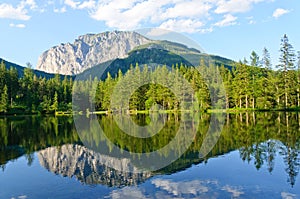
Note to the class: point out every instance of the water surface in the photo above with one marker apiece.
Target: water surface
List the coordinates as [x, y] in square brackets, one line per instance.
[256, 155]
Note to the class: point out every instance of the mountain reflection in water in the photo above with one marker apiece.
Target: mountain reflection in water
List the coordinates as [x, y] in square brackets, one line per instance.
[263, 140]
[90, 167]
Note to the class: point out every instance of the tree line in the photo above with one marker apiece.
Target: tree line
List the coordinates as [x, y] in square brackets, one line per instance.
[249, 84]
[32, 94]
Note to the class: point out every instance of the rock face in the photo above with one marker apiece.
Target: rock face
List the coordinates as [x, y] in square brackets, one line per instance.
[89, 50]
[90, 167]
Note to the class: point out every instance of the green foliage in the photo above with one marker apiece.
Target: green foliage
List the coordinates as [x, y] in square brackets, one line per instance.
[29, 93]
[19, 135]
[4, 100]
[247, 86]
[55, 102]
[286, 66]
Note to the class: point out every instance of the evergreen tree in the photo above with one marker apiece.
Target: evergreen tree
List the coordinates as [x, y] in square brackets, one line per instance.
[13, 85]
[267, 82]
[227, 80]
[3, 75]
[107, 91]
[55, 102]
[254, 89]
[254, 58]
[4, 100]
[298, 79]
[241, 89]
[286, 63]
[266, 59]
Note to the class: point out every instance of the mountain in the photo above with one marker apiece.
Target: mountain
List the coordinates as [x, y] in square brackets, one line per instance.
[111, 51]
[150, 57]
[20, 70]
[89, 50]
[153, 54]
[90, 167]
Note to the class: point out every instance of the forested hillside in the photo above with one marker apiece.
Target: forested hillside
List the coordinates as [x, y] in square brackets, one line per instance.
[20, 69]
[249, 84]
[31, 94]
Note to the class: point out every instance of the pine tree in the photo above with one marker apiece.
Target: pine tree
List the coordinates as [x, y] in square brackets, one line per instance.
[13, 85]
[227, 80]
[255, 62]
[241, 84]
[55, 102]
[267, 82]
[4, 100]
[298, 79]
[3, 74]
[286, 63]
[266, 59]
[107, 91]
[254, 58]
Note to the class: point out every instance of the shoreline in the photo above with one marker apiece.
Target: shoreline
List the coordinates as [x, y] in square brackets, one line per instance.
[134, 112]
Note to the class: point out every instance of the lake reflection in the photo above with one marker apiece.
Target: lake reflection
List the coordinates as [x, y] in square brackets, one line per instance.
[90, 167]
[257, 155]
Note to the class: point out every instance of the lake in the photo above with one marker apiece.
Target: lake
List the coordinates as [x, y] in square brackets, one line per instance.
[246, 155]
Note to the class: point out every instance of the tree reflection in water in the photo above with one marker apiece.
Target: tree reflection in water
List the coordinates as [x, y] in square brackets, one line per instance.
[260, 138]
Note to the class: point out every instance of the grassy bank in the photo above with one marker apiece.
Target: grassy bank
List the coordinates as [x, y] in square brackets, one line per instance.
[134, 112]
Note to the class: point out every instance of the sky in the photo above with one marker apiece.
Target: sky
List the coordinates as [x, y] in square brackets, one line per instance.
[229, 28]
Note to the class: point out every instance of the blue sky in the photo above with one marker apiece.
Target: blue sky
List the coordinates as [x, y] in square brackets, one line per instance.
[230, 28]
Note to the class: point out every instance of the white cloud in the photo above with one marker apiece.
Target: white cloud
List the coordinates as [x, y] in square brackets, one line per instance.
[177, 15]
[18, 12]
[232, 6]
[279, 12]
[194, 8]
[60, 10]
[183, 25]
[168, 188]
[87, 4]
[206, 30]
[251, 20]
[228, 20]
[50, 2]
[90, 4]
[22, 197]
[154, 32]
[72, 4]
[10, 12]
[17, 25]
[286, 195]
[167, 14]
[30, 3]
[127, 14]
[128, 192]
[194, 187]
[235, 6]
[236, 192]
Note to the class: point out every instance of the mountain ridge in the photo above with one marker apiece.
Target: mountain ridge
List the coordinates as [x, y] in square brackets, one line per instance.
[95, 50]
[139, 49]
[20, 70]
[89, 50]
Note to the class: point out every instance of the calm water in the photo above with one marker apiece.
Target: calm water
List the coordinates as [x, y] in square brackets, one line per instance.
[256, 156]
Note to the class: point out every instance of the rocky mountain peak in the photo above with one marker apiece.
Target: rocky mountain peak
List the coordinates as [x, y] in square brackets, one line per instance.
[89, 50]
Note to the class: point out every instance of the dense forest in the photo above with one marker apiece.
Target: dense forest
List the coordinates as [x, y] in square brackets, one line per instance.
[32, 94]
[249, 84]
